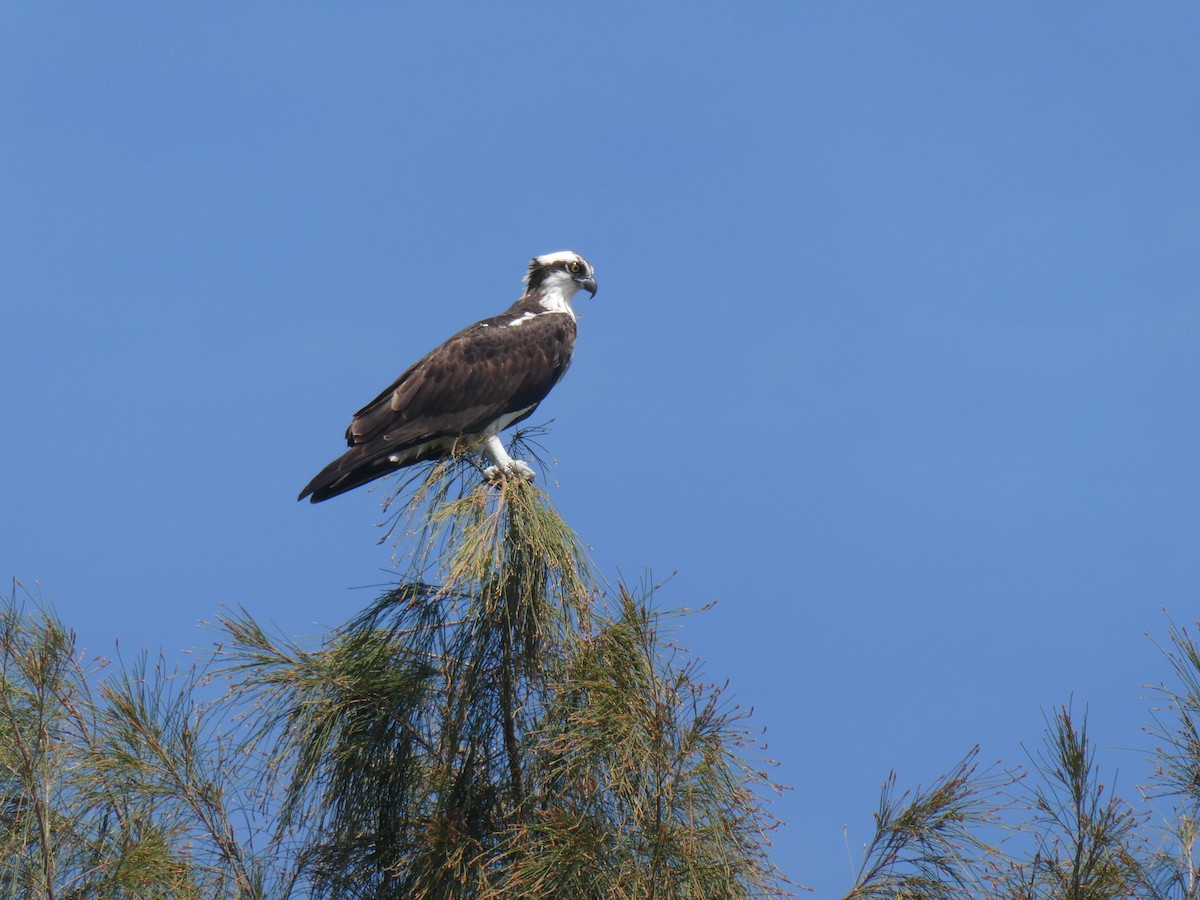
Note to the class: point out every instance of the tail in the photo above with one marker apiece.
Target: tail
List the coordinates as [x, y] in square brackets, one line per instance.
[353, 468]
[366, 462]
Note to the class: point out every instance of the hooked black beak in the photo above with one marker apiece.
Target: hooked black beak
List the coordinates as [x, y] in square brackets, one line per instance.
[588, 284]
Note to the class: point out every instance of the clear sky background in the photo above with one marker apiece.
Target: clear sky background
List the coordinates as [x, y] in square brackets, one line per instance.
[894, 354]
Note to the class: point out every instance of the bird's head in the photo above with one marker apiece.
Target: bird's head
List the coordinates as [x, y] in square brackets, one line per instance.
[565, 272]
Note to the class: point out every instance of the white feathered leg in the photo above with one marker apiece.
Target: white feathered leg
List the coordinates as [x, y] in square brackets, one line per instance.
[493, 449]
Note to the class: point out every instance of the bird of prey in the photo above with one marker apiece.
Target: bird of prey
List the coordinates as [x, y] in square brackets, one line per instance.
[464, 393]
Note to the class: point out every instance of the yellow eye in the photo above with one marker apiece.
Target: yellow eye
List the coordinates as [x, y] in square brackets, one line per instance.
[574, 268]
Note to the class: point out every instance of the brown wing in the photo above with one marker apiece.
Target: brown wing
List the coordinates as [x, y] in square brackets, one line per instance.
[481, 374]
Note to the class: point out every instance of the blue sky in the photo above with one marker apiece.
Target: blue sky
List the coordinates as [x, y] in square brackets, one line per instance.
[894, 354]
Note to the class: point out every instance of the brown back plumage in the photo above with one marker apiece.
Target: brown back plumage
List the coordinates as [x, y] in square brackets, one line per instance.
[459, 390]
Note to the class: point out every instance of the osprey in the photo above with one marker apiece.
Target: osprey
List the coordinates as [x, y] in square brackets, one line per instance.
[464, 393]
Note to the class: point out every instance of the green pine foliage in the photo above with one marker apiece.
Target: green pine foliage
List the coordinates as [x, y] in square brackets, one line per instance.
[1061, 833]
[495, 725]
[122, 792]
[498, 723]
[501, 723]
[927, 842]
